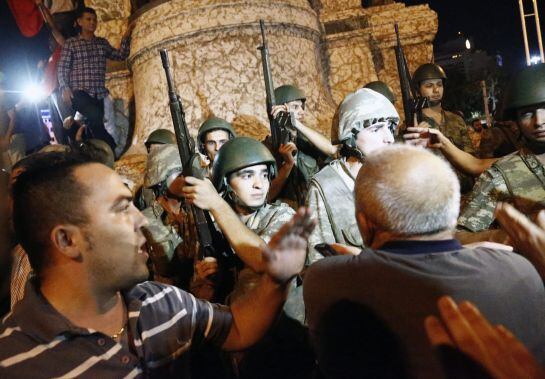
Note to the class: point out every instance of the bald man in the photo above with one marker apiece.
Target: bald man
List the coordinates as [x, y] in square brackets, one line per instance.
[365, 312]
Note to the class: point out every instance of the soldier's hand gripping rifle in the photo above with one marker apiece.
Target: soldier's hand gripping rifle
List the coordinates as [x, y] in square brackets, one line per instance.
[412, 102]
[190, 162]
[279, 125]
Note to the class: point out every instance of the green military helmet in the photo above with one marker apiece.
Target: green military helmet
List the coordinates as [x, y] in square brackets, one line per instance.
[211, 124]
[285, 94]
[163, 162]
[428, 71]
[237, 154]
[527, 88]
[382, 88]
[160, 137]
[98, 150]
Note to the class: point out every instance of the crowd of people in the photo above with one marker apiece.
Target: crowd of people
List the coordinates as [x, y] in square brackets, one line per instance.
[400, 252]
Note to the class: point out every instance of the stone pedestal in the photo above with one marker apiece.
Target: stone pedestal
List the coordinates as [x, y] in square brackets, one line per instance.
[360, 44]
[216, 64]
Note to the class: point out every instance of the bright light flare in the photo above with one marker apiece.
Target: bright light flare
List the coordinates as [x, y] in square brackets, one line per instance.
[33, 93]
[468, 44]
[535, 59]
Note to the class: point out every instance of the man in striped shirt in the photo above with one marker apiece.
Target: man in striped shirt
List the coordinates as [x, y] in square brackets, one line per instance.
[88, 313]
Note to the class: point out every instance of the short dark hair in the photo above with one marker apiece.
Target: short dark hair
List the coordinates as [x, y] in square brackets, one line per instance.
[44, 195]
[83, 10]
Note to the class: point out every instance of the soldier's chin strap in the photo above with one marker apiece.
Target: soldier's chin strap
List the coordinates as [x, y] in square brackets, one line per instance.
[535, 147]
[233, 199]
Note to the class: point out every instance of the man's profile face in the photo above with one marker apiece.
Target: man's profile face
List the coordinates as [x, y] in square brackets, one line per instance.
[114, 255]
[296, 107]
[88, 22]
[213, 141]
[373, 138]
[251, 185]
[531, 121]
[432, 89]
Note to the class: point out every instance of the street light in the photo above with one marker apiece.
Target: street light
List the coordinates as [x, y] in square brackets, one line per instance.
[525, 34]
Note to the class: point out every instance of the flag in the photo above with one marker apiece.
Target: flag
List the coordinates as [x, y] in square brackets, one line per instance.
[27, 16]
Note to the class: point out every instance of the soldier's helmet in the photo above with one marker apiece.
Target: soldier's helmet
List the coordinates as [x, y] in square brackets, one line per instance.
[527, 88]
[382, 88]
[428, 71]
[237, 154]
[98, 150]
[362, 109]
[211, 124]
[286, 93]
[160, 137]
[163, 162]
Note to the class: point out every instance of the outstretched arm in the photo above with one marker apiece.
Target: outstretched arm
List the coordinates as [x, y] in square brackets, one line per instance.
[246, 244]
[284, 258]
[465, 162]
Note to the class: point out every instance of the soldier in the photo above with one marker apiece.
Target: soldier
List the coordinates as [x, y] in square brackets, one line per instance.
[237, 200]
[212, 135]
[159, 137]
[367, 121]
[519, 177]
[298, 160]
[429, 80]
[242, 174]
[164, 214]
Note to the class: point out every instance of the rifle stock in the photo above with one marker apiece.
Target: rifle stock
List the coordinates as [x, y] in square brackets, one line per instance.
[188, 158]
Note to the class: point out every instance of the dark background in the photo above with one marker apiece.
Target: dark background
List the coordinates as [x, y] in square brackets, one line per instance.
[494, 26]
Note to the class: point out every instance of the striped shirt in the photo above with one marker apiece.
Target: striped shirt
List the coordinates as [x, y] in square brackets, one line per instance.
[20, 272]
[82, 66]
[164, 323]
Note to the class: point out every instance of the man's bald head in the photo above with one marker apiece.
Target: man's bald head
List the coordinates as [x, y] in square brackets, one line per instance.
[408, 191]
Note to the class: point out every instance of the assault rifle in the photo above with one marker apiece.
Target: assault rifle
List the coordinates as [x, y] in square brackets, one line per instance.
[280, 126]
[190, 162]
[412, 102]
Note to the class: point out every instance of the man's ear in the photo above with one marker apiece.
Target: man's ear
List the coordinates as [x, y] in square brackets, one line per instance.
[67, 239]
[366, 228]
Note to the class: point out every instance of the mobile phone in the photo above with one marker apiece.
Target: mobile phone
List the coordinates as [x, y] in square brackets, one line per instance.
[326, 249]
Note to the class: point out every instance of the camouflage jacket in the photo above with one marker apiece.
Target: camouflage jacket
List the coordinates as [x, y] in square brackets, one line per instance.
[172, 245]
[331, 199]
[518, 178]
[265, 222]
[307, 164]
[455, 129]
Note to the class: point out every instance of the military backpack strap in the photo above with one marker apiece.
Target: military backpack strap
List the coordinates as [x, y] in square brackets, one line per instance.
[336, 231]
[533, 165]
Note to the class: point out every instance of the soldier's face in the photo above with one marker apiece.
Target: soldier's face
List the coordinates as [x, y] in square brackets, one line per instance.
[88, 22]
[251, 185]
[531, 121]
[432, 89]
[213, 141]
[297, 108]
[373, 138]
[113, 255]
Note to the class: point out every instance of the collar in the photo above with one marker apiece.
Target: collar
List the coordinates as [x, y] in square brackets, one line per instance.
[411, 247]
[37, 317]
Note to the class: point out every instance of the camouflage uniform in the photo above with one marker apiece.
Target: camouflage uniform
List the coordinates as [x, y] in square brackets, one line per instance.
[307, 164]
[518, 178]
[455, 129]
[265, 222]
[331, 199]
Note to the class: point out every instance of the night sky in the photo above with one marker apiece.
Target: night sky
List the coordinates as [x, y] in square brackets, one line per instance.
[494, 26]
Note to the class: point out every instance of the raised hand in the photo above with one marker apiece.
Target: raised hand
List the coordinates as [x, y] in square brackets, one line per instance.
[285, 254]
[494, 347]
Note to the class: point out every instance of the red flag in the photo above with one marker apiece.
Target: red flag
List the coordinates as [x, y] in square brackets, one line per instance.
[27, 15]
[50, 73]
